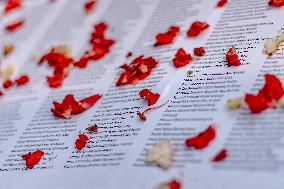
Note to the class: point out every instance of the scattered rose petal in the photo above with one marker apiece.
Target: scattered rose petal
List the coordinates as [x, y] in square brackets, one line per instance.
[129, 54]
[8, 49]
[167, 37]
[22, 80]
[14, 26]
[199, 51]
[161, 154]
[173, 184]
[196, 28]
[189, 72]
[11, 5]
[181, 58]
[8, 72]
[32, 158]
[202, 140]
[234, 103]
[221, 156]
[70, 106]
[81, 142]
[271, 45]
[267, 97]
[221, 3]
[93, 129]
[7, 84]
[139, 69]
[276, 3]
[232, 57]
[89, 6]
[150, 96]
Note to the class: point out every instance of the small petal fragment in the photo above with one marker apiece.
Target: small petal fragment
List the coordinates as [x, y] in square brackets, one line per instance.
[150, 96]
[232, 57]
[181, 58]
[196, 28]
[81, 142]
[221, 156]
[32, 158]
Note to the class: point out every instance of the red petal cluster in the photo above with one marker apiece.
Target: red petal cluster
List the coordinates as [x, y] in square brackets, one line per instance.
[267, 97]
[174, 184]
[276, 3]
[14, 25]
[202, 140]
[32, 158]
[89, 6]
[70, 106]
[150, 96]
[222, 155]
[200, 51]
[196, 28]
[139, 69]
[22, 80]
[11, 5]
[181, 58]
[100, 46]
[81, 142]
[232, 57]
[61, 66]
[221, 3]
[167, 37]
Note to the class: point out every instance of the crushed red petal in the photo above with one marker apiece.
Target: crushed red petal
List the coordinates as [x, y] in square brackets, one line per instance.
[89, 6]
[276, 3]
[181, 58]
[222, 155]
[221, 3]
[232, 57]
[11, 5]
[70, 106]
[196, 28]
[202, 140]
[174, 184]
[32, 158]
[7, 84]
[81, 142]
[167, 37]
[150, 96]
[139, 69]
[14, 25]
[100, 46]
[267, 97]
[200, 51]
[22, 80]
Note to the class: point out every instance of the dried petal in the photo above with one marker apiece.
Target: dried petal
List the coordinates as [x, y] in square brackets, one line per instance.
[271, 45]
[202, 140]
[222, 155]
[161, 154]
[181, 58]
[199, 51]
[196, 28]
[32, 158]
[234, 103]
[8, 49]
[8, 72]
[93, 129]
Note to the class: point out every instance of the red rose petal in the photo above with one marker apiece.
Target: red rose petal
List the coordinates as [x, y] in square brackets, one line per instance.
[181, 58]
[150, 96]
[276, 3]
[32, 158]
[222, 155]
[167, 37]
[199, 51]
[129, 54]
[11, 5]
[89, 6]
[221, 3]
[22, 80]
[174, 184]
[232, 57]
[14, 25]
[81, 142]
[70, 106]
[7, 84]
[196, 28]
[202, 140]
[256, 103]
